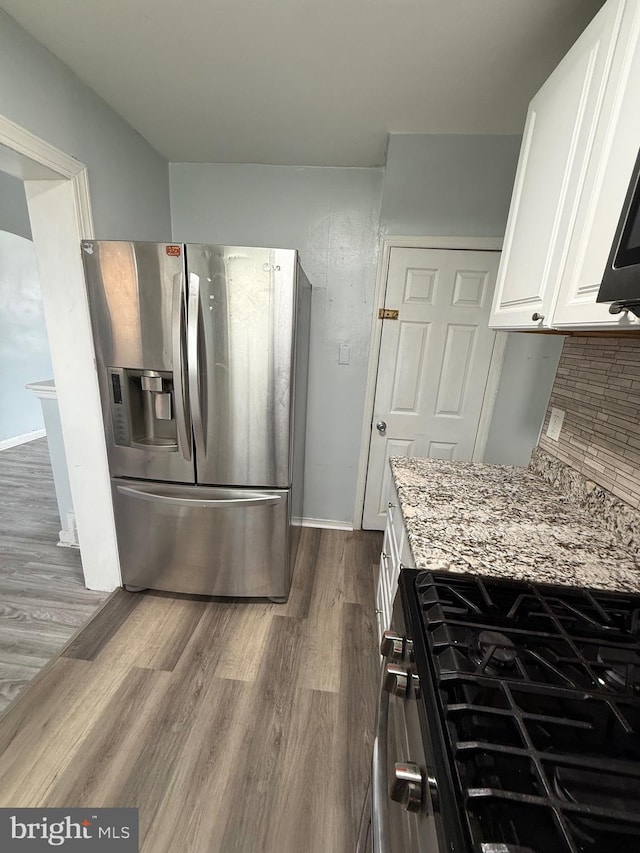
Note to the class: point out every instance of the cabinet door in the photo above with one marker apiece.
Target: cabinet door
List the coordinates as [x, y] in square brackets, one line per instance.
[393, 531]
[383, 609]
[613, 154]
[557, 139]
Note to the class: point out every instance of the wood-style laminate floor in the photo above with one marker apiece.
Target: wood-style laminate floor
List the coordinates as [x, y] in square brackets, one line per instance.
[43, 600]
[234, 727]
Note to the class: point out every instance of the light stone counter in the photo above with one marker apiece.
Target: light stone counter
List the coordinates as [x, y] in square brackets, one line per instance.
[507, 522]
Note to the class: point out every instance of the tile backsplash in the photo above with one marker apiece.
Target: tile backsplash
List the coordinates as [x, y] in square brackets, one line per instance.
[598, 387]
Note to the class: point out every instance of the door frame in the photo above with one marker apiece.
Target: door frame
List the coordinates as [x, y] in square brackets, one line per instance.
[59, 204]
[489, 244]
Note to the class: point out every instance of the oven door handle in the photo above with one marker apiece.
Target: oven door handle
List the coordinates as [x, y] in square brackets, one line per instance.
[379, 794]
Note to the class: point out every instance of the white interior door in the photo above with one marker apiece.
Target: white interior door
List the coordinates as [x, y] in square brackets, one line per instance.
[433, 365]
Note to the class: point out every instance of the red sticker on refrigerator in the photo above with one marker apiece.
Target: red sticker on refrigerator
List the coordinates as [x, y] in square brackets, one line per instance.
[174, 251]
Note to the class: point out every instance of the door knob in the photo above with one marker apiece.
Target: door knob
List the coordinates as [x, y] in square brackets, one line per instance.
[381, 427]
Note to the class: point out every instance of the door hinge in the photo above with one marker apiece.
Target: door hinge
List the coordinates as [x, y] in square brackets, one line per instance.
[388, 314]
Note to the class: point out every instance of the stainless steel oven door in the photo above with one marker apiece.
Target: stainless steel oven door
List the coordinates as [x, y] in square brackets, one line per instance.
[397, 752]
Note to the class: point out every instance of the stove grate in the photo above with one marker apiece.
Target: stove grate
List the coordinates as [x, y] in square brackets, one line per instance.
[538, 690]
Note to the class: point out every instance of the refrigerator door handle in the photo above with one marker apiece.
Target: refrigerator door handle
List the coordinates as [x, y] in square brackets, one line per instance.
[193, 366]
[252, 499]
[183, 421]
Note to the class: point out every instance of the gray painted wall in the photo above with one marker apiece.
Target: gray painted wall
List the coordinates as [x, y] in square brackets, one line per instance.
[331, 216]
[448, 185]
[530, 365]
[128, 179]
[14, 215]
[24, 347]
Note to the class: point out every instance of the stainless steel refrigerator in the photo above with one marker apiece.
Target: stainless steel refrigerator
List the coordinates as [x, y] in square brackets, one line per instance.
[202, 355]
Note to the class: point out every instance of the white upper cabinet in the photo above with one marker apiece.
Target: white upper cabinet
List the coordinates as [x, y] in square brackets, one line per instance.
[557, 145]
[613, 154]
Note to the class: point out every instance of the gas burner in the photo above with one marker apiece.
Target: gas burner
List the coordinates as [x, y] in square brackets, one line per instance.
[492, 651]
[620, 668]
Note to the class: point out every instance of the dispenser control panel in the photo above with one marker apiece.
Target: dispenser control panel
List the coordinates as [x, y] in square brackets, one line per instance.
[119, 414]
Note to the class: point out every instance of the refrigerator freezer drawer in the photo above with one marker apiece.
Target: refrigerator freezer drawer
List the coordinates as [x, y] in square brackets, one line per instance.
[203, 540]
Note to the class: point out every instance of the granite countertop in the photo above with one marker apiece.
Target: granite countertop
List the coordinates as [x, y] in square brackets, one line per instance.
[508, 522]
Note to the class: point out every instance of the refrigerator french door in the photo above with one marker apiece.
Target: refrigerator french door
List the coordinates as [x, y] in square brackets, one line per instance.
[202, 355]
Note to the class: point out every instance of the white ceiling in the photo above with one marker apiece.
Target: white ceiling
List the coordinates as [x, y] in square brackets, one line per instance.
[307, 83]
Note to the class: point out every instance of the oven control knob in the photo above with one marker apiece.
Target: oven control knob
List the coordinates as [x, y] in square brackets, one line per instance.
[406, 786]
[392, 645]
[396, 679]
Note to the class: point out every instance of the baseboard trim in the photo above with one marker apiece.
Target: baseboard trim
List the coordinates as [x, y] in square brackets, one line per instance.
[325, 523]
[6, 443]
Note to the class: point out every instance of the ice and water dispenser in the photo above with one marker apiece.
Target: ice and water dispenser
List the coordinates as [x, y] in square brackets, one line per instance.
[142, 408]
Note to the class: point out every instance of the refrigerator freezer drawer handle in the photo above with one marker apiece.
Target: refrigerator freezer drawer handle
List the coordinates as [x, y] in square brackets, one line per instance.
[193, 346]
[212, 503]
[177, 333]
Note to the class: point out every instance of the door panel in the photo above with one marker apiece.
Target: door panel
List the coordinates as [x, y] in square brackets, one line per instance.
[247, 301]
[453, 385]
[137, 313]
[130, 288]
[433, 364]
[412, 348]
[200, 540]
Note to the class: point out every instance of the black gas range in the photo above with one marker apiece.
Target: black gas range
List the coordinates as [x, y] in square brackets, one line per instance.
[527, 698]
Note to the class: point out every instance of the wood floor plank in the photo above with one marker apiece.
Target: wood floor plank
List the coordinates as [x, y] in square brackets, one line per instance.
[28, 611]
[104, 625]
[242, 660]
[354, 738]
[14, 677]
[31, 606]
[362, 550]
[94, 778]
[56, 583]
[63, 562]
[307, 814]
[205, 766]
[29, 657]
[54, 735]
[36, 631]
[19, 719]
[207, 646]
[31, 645]
[156, 631]
[303, 575]
[322, 650]
[250, 798]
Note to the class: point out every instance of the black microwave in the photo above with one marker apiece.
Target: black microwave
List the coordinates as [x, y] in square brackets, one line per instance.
[621, 281]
